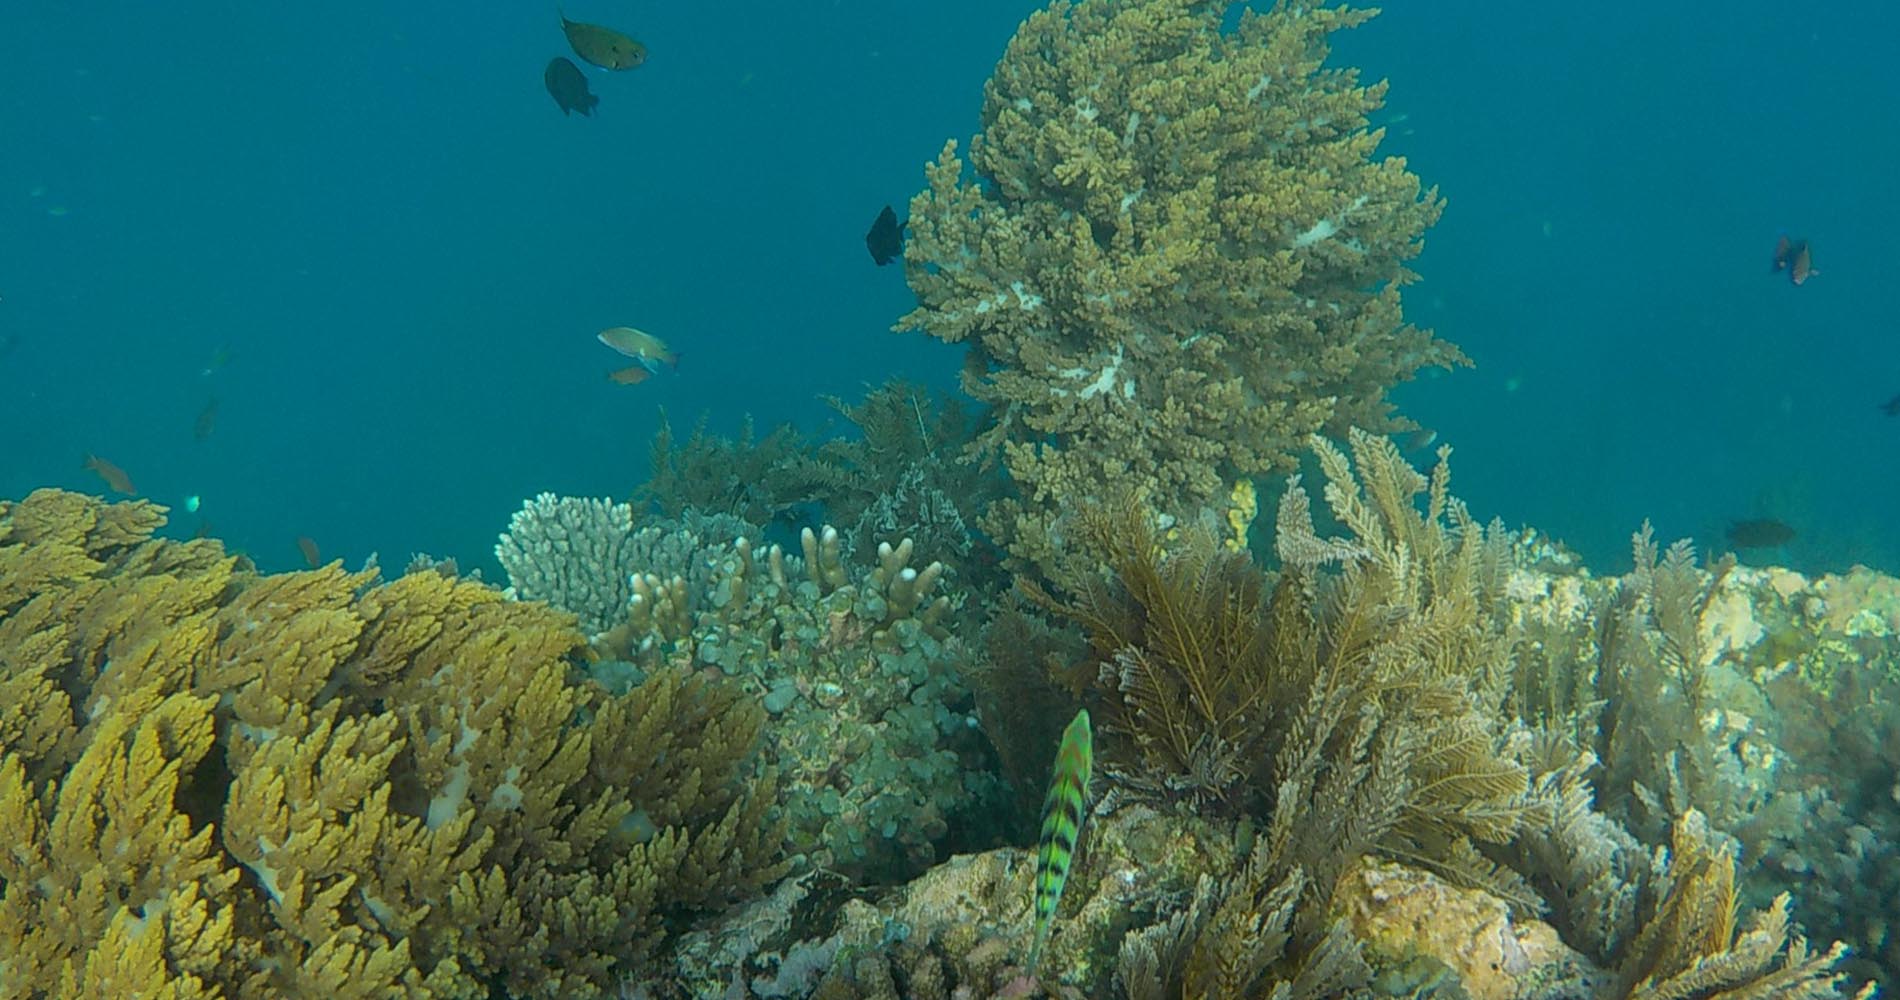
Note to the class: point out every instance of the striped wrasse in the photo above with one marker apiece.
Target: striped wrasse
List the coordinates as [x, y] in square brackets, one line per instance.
[1062, 813]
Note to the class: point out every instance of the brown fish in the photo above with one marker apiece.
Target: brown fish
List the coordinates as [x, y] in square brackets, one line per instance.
[1794, 256]
[630, 375]
[114, 476]
[885, 240]
[604, 47]
[1801, 266]
[308, 546]
[1759, 533]
[568, 86]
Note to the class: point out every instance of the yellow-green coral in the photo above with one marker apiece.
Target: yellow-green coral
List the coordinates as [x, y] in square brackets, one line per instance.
[1243, 505]
[221, 784]
[1173, 255]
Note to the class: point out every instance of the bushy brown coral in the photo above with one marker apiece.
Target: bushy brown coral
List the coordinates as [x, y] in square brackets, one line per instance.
[1226, 689]
[222, 784]
[1173, 253]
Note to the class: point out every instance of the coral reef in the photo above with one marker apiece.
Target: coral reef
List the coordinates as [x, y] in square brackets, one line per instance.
[1173, 253]
[1766, 701]
[575, 553]
[221, 784]
[871, 725]
[1425, 932]
[895, 476]
[1224, 688]
[1393, 652]
[241, 785]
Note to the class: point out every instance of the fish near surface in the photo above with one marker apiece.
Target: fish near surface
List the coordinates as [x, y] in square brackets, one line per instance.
[1801, 267]
[1784, 252]
[1063, 811]
[114, 476]
[1795, 257]
[568, 86]
[603, 46]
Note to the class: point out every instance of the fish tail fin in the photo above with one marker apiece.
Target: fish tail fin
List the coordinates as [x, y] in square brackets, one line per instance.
[1035, 951]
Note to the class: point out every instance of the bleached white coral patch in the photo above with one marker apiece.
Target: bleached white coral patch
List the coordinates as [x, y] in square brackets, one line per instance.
[1098, 382]
[1321, 230]
[1328, 227]
[1025, 300]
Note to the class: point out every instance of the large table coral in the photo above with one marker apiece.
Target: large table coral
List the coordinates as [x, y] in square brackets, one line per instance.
[1173, 253]
[221, 784]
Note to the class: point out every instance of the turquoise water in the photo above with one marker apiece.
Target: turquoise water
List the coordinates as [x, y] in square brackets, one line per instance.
[368, 233]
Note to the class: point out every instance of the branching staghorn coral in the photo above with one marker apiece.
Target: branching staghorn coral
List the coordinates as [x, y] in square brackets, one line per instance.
[1173, 253]
[313, 785]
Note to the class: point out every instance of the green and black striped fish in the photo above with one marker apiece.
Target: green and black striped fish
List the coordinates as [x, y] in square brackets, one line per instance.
[1062, 813]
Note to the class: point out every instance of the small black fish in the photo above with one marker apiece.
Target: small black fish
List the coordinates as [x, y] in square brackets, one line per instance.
[568, 86]
[886, 238]
[207, 421]
[1891, 407]
[1759, 533]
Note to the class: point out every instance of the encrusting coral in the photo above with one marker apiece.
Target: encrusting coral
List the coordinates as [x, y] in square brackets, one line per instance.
[220, 784]
[1172, 252]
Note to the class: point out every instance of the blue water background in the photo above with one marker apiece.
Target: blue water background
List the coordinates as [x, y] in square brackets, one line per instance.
[406, 249]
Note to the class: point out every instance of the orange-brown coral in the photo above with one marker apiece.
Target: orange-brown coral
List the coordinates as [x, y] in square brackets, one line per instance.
[223, 784]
